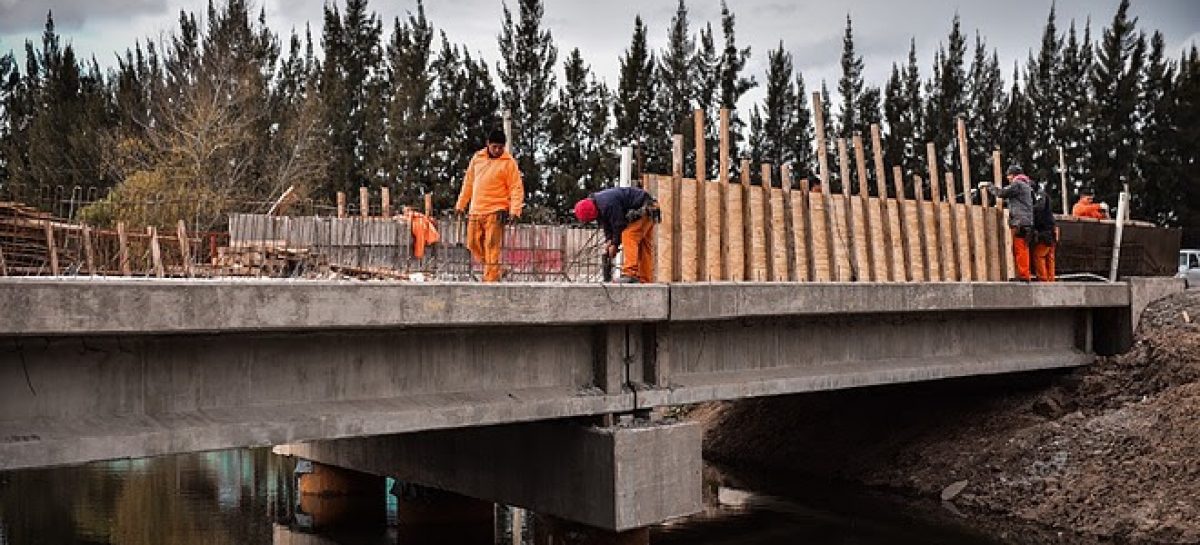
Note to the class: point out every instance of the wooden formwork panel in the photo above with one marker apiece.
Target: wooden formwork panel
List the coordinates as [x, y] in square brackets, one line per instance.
[1010, 271]
[801, 241]
[665, 267]
[947, 261]
[758, 236]
[878, 241]
[895, 243]
[841, 240]
[819, 238]
[962, 237]
[779, 238]
[934, 245]
[862, 261]
[979, 247]
[735, 234]
[689, 222]
[916, 231]
[991, 232]
[712, 231]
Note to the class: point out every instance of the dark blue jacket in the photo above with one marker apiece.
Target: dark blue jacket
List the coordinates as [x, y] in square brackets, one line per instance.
[611, 205]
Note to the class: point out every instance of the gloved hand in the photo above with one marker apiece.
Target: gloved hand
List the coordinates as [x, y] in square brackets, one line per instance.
[503, 216]
[634, 214]
[984, 186]
[1104, 206]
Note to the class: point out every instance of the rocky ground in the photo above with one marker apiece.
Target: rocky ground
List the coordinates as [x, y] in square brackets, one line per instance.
[1110, 452]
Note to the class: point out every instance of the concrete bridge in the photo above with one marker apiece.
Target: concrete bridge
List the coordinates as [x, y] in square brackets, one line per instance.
[502, 392]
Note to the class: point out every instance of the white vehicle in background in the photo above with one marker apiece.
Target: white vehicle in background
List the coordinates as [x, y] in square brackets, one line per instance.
[1189, 267]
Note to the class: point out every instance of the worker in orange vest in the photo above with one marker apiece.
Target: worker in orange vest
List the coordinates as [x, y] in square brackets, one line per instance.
[1085, 207]
[493, 190]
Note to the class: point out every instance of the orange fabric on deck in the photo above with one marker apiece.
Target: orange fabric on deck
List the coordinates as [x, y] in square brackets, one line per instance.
[492, 185]
[424, 233]
[637, 241]
[485, 237]
[1043, 260]
[1085, 208]
[1020, 255]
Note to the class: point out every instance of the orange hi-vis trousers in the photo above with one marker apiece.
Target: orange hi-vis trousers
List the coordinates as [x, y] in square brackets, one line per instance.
[1043, 262]
[637, 241]
[485, 239]
[1020, 254]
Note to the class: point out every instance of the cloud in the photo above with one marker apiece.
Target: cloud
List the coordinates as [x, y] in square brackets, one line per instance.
[26, 15]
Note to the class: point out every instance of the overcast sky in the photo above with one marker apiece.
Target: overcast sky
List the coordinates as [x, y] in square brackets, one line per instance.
[812, 31]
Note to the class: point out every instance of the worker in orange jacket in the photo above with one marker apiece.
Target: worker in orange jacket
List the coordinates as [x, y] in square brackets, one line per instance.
[1085, 207]
[492, 188]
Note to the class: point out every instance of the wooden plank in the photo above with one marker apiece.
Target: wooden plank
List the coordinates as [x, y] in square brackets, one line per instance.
[801, 243]
[888, 232]
[926, 241]
[842, 238]
[702, 216]
[768, 223]
[905, 262]
[89, 250]
[826, 190]
[185, 250]
[941, 230]
[758, 236]
[747, 224]
[959, 223]
[689, 224]
[724, 189]
[51, 249]
[341, 204]
[789, 229]
[364, 202]
[1004, 242]
[735, 233]
[385, 200]
[974, 219]
[123, 249]
[868, 224]
[778, 249]
[847, 224]
[712, 231]
[3, 264]
[818, 236]
[155, 252]
[723, 174]
[664, 248]
[677, 187]
[698, 137]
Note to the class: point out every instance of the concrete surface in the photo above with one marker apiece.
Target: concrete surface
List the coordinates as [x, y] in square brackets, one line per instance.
[1146, 290]
[615, 478]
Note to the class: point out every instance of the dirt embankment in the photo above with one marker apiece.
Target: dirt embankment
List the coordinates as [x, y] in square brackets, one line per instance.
[1110, 452]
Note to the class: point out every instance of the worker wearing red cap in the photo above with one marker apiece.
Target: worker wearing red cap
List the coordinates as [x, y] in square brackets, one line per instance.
[627, 216]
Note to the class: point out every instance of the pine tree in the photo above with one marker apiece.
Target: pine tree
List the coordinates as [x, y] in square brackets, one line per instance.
[1042, 91]
[706, 67]
[947, 97]
[1115, 91]
[580, 158]
[830, 138]
[676, 88]
[466, 104]
[1161, 182]
[1074, 132]
[799, 142]
[409, 56]
[1018, 116]
[528, 56]
[633, 108]
[850, 86]
[10, 114]
[986, 109]
[348, 83]
[733, 84]
[903, 114]
[773, 124]
[1186, 105]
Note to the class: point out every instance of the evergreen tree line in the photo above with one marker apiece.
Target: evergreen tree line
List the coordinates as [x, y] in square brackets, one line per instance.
[225, 109]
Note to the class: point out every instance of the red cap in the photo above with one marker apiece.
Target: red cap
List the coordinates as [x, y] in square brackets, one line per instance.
[585, 210]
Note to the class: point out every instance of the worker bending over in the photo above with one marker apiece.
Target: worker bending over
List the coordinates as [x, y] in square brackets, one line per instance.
[492, 187]
[1086, 207]
[627, 216]
[1019, 197]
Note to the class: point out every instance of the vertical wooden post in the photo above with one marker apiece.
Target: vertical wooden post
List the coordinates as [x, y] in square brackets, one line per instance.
[89, 251]
[851, 244]
[789, 229]
[701, 166]
[864, 197]
[747, 223]
[341, 204]
[3, 264]
[723, 174]
[922, 234]
[977, 254]
[803, 234]
[385, 201]
[958, 227]
[1005, 245]
[364, 202]
[677, 156]
[768, 224]
[123, 249]
[941, 231]
[1062, 171]
[885, 206]
[1122, 209]
[677, 188]
[508, 136]
[905, 263]
[428, 204]
[723, 190]
[51, 249]
[155, 252]
[185, 249]
[826, 191]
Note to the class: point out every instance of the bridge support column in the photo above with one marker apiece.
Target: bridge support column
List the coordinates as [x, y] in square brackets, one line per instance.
[613, 478]
[333, 496]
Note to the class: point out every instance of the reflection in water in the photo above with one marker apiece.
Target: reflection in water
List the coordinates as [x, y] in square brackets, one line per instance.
[250, 497]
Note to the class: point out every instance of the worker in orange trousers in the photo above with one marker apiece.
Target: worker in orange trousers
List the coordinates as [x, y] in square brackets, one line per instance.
[1019, 196]
[627, 215]
[492, 195]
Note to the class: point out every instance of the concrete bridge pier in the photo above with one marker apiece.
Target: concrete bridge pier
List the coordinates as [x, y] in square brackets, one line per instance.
[334, 496]
[615, 479]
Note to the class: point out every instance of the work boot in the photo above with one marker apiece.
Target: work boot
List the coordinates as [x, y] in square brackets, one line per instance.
[626, 280]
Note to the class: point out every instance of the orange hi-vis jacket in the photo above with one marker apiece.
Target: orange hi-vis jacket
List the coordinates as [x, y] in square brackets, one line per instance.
[492, 185]
[1085, 208]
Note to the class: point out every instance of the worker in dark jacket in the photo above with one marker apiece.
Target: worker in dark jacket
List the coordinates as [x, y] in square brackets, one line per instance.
[1019, 196]
[627, 216]
[1045, 234]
